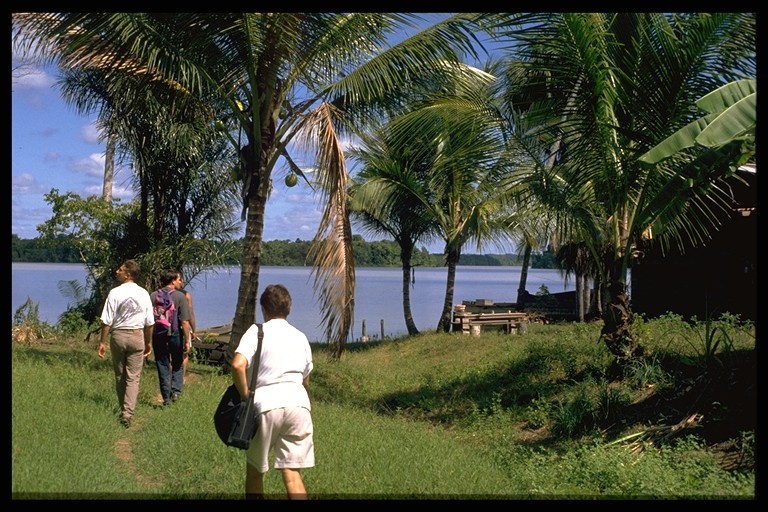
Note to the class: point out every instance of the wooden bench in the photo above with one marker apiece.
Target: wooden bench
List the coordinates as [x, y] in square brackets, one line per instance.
[472, 323]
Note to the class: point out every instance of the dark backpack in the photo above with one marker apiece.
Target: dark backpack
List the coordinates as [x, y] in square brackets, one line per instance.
[166, 314]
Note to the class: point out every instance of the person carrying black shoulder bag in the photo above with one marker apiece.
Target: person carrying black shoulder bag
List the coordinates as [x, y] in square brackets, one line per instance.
[281, 398]
[236, 419]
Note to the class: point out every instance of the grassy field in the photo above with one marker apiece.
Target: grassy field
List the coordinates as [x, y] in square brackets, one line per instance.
[435, 416]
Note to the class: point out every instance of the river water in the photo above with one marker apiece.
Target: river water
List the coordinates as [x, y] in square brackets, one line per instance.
[378, 294]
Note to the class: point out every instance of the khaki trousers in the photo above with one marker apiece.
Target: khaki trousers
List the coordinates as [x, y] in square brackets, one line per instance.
[127, 347]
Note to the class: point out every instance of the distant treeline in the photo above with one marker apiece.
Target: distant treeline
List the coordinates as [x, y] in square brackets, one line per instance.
[383, 253]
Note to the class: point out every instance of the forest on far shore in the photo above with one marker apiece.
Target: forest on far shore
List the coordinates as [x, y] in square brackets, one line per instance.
[382, 253]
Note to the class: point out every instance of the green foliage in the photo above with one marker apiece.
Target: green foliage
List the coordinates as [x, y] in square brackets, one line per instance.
[429, 416]
[282, 253]
[91, 225]
[711, 341]
[644, 373]
[707, 344]
[36, 250]
[104, 234]
[589, 406]
[537, 414]
[731, 114]
[544, 298]
[28, 313]
[71, 323]
[27, 326]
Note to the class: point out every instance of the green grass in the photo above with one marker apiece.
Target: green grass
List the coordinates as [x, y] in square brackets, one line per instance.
[435, 416]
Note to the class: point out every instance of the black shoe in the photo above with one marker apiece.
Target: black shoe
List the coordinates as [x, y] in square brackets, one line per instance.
[167, 402]
[176, 396]
[126, 422]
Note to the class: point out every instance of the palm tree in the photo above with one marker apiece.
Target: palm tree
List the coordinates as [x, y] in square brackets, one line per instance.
[576, 258]
[620, 83]
[285, 77]
[190, 208]
[731, 114]
[516, 162]
[186, 219]
[525, 163]
[380, 200]
[457, 185]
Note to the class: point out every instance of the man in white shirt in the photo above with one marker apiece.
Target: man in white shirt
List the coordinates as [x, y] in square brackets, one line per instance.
[128, 316]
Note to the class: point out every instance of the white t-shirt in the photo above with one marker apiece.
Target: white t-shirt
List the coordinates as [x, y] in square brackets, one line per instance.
[286, 359]
[128, 306]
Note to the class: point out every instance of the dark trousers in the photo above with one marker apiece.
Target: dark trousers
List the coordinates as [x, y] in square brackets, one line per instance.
[169, 356]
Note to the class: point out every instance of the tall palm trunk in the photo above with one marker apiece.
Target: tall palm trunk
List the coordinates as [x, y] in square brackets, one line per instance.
[109, 167]
[586, 295]
[580, 278]
[452, 260]
[520, 304]
[407, 314]
[596, 299]
[618, 318]
[405, 257]
[247, 292]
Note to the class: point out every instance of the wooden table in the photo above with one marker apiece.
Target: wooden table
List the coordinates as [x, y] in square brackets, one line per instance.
[472, 323]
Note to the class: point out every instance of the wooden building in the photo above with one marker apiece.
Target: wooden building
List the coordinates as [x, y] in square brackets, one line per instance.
[710, 280]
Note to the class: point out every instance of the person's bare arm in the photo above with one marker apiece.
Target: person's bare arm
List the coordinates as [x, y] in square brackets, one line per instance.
[192, 323]
[148, 331]
[101, 350]
[187, 333]
[238, 369]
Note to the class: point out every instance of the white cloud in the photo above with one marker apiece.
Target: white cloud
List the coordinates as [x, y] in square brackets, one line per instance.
[122, 193]
[33, 86]
[92, 166]
[299, 198]
[90, 134]
[27, 78]
[94, 190]
[25, 183]
[51, 156]
[24, 220]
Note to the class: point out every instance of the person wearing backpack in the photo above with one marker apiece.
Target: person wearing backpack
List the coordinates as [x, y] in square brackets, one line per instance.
[172, 334]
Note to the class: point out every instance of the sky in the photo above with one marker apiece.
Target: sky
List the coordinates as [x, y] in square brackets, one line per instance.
[52, 146]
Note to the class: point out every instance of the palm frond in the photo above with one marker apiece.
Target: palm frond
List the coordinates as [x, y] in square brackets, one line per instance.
[331, 249]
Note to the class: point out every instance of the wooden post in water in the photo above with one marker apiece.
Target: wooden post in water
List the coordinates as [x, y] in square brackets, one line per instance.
[382, 329]
[364, 337]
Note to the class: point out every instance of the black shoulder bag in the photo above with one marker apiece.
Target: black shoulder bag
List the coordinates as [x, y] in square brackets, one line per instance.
[236, 420]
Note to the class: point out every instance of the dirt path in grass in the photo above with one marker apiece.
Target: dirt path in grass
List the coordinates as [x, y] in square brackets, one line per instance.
[124, 452]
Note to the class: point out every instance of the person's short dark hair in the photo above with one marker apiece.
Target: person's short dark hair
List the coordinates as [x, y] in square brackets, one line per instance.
[168, 276]
[132, 268]
[276, 301]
